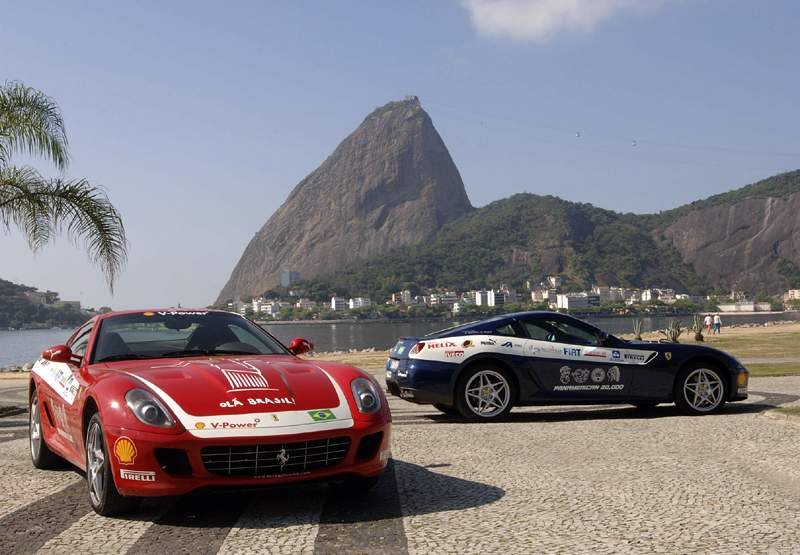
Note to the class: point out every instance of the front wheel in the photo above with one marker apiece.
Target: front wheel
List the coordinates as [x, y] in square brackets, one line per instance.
[103, 494]
[699, 390]
[485, 393]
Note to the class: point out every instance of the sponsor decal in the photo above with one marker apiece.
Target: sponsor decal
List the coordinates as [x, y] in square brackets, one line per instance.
[272, 401]
[137, 475]
[441, 345]
[60, 414]
[668, 355]
[224, 425]
[275, 418]
[602, 379]
[245, 379]
[125, 450]
[508, 345]
[566, 372]
[615, 355]
[200, 425]
[148, 314]
[580, 375]
[283, 457]
[453, 354]
[488, 341]
[596, 354]
[467, 344]
[572, 351]
[321, 415]
[635, 357]
[181, 313]
[60, 377]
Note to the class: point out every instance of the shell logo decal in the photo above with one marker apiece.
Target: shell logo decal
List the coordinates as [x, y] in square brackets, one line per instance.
[200, 425]
[125, 450]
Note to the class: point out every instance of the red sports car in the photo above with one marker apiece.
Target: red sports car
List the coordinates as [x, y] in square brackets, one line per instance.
[163, 402]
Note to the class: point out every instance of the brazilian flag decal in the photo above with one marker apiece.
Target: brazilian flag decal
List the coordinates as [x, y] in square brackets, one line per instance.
[321, 415]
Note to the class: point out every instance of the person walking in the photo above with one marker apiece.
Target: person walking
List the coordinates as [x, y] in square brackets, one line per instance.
[707, 321]
[717, 324]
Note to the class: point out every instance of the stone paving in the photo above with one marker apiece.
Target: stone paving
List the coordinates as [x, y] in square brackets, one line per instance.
[605, 479]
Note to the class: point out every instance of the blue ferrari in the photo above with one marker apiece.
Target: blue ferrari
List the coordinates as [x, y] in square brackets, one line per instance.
[481, 370]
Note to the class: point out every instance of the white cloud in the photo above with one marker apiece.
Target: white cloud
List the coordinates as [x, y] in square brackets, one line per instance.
[540, 20]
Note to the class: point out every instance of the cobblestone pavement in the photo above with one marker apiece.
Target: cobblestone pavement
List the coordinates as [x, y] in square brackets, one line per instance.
[549, 480]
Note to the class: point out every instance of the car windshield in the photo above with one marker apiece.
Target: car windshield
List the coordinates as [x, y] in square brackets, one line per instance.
[180, 334]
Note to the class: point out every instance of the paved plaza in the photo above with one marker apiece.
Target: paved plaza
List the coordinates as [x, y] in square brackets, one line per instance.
[605, 479]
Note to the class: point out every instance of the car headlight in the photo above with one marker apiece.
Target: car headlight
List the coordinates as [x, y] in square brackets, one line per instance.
[148, 409]
[368, 399]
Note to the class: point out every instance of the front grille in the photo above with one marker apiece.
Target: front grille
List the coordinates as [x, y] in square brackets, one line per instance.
[275, 459]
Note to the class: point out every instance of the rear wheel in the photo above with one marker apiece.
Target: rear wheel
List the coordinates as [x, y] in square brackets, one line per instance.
[41, 455]
[700, 390]
[103, 494]
[485, 393]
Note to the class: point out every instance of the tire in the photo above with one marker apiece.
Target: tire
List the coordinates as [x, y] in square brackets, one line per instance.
[446, 409]
[103, 494]
[41, 455]
[700, 389]
[477, 403]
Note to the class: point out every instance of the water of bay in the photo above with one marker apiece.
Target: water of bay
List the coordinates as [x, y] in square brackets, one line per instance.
[19, 347]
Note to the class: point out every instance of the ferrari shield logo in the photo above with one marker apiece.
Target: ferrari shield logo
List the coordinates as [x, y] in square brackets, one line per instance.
[668, 356]
[321, 415]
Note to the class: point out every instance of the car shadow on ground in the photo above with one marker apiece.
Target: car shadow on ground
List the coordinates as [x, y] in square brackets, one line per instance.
[555, 413]
[423, 491]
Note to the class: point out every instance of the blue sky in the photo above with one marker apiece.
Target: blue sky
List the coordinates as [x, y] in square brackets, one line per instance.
[198, 118]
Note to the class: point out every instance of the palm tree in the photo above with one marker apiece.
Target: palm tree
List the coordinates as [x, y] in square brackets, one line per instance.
[31, 124]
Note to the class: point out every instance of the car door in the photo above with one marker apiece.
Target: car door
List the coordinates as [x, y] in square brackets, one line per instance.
[66, 404]
[572, 362]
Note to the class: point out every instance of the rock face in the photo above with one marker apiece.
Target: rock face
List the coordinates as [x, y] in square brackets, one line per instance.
[740, 244]
[390, 183]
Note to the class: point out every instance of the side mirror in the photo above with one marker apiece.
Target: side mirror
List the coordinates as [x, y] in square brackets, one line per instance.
[58, 353]
[298, 346]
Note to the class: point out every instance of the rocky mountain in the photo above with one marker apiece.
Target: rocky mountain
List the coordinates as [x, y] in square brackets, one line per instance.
[389, 184]
[748, 238]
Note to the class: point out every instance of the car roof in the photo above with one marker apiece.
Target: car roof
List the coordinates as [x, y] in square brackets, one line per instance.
[488, 324]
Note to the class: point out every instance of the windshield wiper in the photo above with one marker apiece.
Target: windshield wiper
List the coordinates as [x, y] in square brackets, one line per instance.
[128, 356]
[235, 352]
[186, 353]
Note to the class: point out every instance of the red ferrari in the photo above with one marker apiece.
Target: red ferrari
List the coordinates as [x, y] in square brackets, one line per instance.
[164, 402]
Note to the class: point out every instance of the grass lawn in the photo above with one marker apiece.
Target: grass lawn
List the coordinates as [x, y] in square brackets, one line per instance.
[791, 411]
[776, 369]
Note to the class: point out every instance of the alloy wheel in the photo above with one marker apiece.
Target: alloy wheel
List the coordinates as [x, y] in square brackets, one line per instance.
[487, 393]
[703, 390]
[35, 428]
[95, 462]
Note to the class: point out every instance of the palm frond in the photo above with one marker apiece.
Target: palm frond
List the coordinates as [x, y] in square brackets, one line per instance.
[31, 123]
[42, 208]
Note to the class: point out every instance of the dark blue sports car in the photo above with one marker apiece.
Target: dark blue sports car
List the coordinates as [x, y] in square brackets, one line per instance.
[483, 369]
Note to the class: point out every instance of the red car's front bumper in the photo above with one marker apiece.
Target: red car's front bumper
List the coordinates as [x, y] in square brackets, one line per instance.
[162, 464]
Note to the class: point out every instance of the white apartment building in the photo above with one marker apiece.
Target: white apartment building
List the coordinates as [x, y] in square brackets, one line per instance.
[338, 304]
[447, 298]
[576, 301]
[359, 302]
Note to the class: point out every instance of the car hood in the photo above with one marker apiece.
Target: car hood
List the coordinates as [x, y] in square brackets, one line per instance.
[248, 395]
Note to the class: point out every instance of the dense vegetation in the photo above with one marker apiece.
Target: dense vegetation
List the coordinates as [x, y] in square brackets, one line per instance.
[17, 311]
[516, 239]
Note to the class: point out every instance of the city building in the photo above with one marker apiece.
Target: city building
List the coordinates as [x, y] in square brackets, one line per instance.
[448, 298]
[576, 301]
[338, 304]
[359, 302]
[306, 304]
[495, 298]
[42, 297]
[792, 295]
[481, 298]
